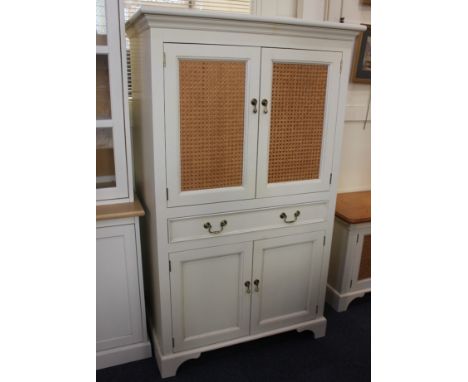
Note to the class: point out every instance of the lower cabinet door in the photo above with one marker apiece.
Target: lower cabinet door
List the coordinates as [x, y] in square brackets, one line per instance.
[361, 269]
[210, 302]
[286, 280]
[118, 309]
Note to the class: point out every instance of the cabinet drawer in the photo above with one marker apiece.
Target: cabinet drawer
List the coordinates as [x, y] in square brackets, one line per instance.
[232, 223]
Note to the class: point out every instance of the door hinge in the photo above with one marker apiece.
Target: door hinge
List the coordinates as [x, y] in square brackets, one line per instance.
[341, 65]
[357, 238]
[316, 309]
[167, 194]
[331, 176]
[324, 240]
[164, 59]
[170, 266]
[173, 342]
[350, 284]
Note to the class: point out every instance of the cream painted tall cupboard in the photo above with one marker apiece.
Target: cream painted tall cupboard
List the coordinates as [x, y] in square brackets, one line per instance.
[237, 133]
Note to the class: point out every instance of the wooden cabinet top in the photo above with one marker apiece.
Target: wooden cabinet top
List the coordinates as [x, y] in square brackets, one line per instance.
[354, 207]
[119, 211]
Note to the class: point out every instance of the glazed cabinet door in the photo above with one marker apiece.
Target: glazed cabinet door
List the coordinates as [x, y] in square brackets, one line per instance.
[361, 267]
[286, 279]
[118, 308]
[211, 116]
[111, 161]
[299, 95]
[210, 297]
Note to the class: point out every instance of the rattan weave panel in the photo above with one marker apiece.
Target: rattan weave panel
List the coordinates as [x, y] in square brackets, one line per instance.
[211, 123]
[365, 266]
[297, 116]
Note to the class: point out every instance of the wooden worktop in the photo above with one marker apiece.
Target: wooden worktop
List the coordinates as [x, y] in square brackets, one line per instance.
[354, 207]
[118, 211]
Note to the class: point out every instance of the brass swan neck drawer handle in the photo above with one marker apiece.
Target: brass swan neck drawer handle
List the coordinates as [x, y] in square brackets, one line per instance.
[285, 217]
[208, 227]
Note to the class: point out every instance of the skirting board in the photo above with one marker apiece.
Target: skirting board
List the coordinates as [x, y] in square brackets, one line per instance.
[124, 354]
[168, 364]
[340, 302]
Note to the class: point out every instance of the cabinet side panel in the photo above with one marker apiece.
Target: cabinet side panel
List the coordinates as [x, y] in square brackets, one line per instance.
[142, 129]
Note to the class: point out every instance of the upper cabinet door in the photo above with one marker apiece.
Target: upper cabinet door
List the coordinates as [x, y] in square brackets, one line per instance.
[211, 122]
[299, 94]
[111, 161]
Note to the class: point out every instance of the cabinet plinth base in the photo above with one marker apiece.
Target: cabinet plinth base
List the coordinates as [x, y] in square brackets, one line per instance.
[169, 363]
[123, 354]
[340, 302]
[318, 327]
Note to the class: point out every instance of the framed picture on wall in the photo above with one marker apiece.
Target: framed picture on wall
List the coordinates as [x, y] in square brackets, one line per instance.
[361, 70]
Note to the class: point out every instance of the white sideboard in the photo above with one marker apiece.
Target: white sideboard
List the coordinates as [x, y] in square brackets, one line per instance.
[350, 260]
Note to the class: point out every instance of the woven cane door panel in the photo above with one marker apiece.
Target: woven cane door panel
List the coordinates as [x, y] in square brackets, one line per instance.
[212, 101]
[297, 119]
[365, 266]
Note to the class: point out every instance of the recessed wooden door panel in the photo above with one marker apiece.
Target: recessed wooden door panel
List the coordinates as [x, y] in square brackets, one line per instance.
[209, 300]
[211, 126]
[297, 124]
[288, 273]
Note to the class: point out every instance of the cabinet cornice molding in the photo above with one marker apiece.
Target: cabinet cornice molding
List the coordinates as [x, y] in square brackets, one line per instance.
[153, 17]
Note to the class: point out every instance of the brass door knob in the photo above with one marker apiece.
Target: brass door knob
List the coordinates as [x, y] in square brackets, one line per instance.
[256, 283]
[254, 102]
[265, 105]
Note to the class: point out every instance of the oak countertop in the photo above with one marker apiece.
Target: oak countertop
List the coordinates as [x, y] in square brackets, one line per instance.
[118, 211]
[354, 207]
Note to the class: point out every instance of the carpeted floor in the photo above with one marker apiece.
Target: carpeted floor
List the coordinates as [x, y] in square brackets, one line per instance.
[344, 354]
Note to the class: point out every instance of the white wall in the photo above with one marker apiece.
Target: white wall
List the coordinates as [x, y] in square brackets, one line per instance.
[286, 8]
[355, 174]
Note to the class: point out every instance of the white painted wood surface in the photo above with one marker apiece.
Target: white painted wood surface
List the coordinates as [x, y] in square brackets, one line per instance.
[210, 302]
[120, 312]
[343, 283]
[149, 34]
[287, 270]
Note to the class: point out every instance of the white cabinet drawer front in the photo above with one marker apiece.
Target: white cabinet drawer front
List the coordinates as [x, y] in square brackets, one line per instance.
[233, 223]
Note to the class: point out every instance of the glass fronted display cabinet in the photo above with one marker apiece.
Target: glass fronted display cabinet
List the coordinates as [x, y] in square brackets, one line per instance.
[112, 143]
